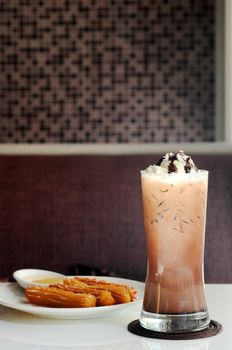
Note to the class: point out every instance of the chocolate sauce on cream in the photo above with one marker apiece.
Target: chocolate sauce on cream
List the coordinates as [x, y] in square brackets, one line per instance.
[176, 161]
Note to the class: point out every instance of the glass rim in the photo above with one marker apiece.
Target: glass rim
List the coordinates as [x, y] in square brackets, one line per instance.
[200, 172]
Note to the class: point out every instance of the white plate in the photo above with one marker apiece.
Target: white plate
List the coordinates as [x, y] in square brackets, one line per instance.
[11, 295]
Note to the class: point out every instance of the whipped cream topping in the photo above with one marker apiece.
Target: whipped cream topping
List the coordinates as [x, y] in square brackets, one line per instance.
[177, 162]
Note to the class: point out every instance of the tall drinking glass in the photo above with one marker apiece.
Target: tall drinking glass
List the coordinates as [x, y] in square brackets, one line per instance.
[174, 222]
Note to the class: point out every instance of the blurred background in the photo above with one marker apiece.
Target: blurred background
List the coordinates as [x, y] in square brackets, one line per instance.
[111, 71]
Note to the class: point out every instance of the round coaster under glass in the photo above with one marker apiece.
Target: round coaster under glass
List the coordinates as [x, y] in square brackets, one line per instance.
[214, 328]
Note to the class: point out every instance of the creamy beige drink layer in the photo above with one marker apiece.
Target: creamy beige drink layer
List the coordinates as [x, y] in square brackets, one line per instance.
[174, 200]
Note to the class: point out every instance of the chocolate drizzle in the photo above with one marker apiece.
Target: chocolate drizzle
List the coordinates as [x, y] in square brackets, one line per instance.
[178, 157]
[172, 167]
[160, 161]
[188, 165]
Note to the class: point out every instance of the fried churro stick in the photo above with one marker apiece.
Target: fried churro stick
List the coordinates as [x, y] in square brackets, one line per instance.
[104, 297]
[103, 283]
[119, 292]
[54, 297]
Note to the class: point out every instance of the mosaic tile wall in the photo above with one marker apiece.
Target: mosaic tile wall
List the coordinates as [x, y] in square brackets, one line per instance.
[106, 71]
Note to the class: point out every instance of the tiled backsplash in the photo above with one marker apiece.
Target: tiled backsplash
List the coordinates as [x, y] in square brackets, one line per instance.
[106, 71]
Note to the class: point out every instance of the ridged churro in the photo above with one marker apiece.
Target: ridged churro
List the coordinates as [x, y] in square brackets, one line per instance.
[50, 296]
[104, 297]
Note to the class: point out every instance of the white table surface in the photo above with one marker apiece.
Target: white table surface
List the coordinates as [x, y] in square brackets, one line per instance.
[22, 331]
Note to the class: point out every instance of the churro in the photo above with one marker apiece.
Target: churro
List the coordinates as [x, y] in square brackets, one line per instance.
[104, 297]
[78, 292]
[121, 293]
[50, 296]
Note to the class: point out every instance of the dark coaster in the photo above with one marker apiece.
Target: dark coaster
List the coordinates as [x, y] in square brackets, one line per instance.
[214, 328]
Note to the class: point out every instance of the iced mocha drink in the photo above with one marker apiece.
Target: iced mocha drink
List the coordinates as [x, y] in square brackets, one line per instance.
[174, 195]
